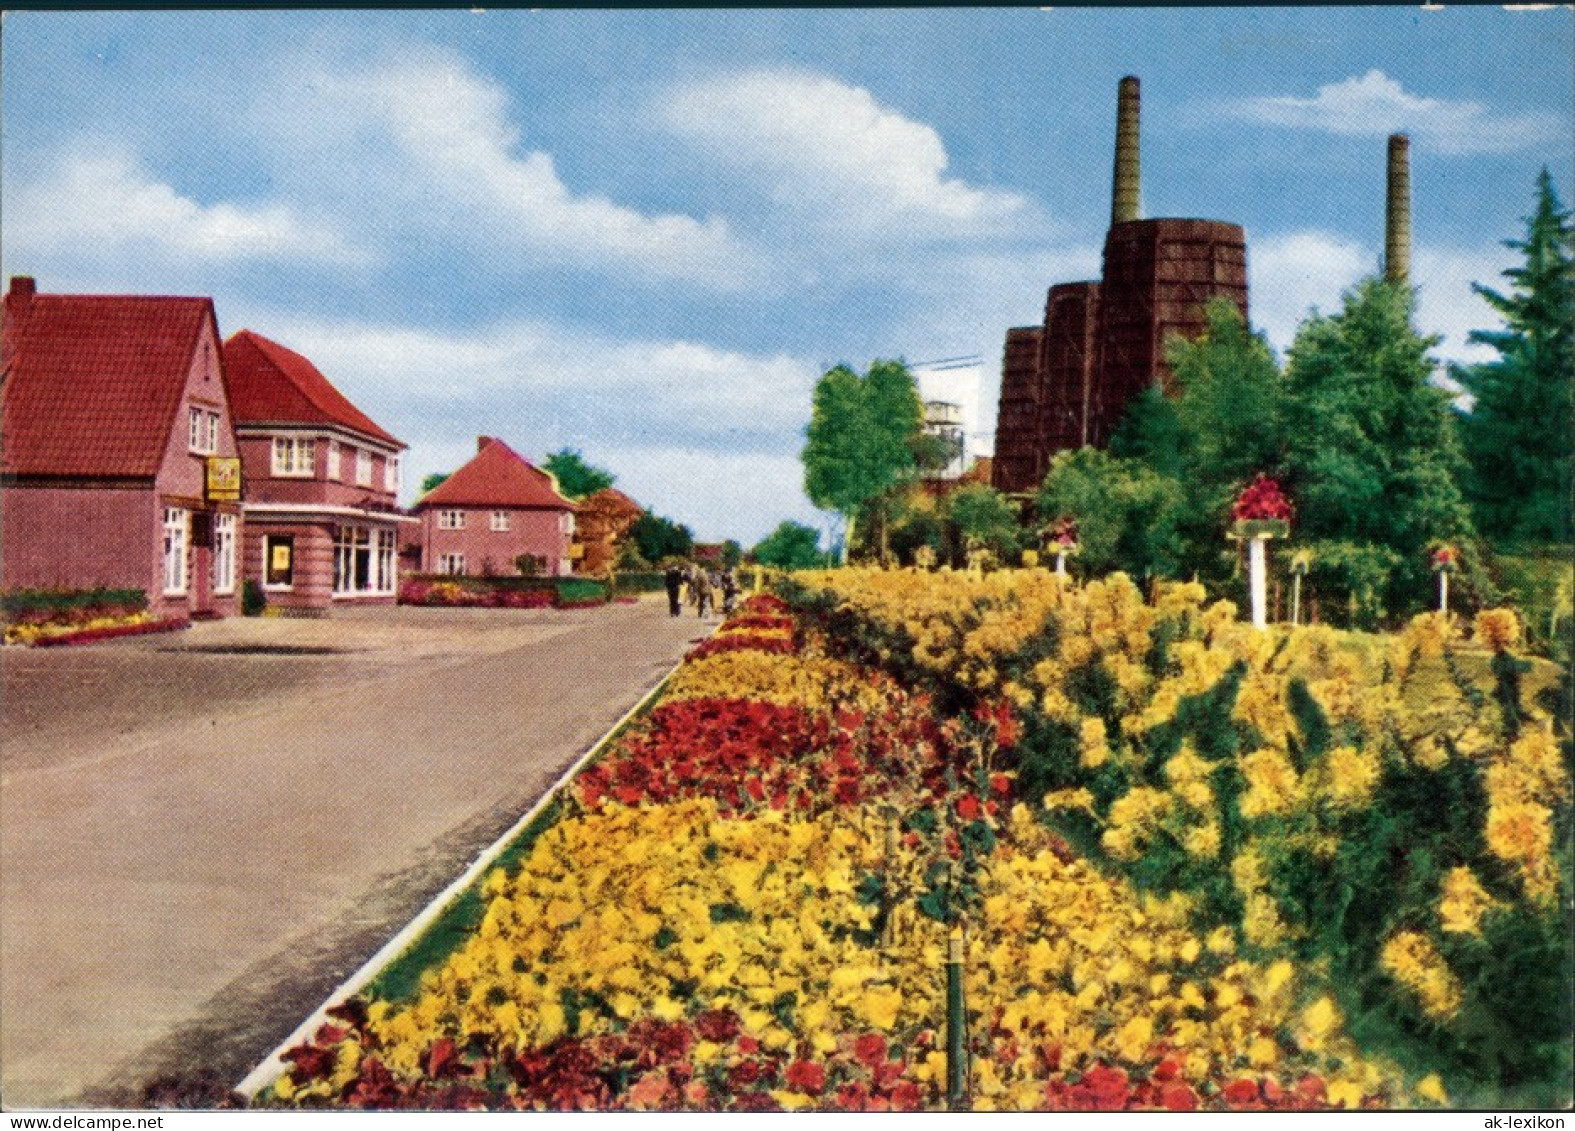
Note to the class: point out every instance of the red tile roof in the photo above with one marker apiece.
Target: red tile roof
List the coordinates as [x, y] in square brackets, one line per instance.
[270, 384]
[497, 476]
[93, 382]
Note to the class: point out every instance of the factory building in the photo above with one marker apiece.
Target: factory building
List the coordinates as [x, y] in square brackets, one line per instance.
[1067, 382]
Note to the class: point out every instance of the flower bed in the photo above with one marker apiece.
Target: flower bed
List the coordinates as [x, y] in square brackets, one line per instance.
[747, 907]
[1367, 810]
[503, 592]
[51, 635]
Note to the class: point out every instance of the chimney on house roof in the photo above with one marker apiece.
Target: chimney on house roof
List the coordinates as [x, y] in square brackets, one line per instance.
[1124, 197]
[23, 288]
[1397, 218]
[482, 442]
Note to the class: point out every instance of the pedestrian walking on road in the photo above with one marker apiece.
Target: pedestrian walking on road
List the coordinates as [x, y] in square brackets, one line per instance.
[729, 591]
[702, 588]
[674, 580]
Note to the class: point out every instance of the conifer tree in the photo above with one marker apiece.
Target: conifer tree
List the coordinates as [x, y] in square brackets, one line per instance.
[1517, 434]
[1370, 448]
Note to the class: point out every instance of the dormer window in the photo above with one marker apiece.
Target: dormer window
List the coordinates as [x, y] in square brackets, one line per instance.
[292, 457]
[363, 467]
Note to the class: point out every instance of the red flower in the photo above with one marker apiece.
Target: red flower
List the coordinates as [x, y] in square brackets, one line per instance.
[717, 1025]
[853, 1097]
[1178, 1097]
[443, 1059]
[1107, 1087]
[806, 1076]
[968, 807]
[1310, 1089]
[870, 1049]
[1262, 499]
[1241, 1092]
[905, 1096]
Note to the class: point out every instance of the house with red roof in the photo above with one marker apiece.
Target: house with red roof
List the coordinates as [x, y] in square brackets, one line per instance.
[118, 466]
[495, 509]
[322, 512]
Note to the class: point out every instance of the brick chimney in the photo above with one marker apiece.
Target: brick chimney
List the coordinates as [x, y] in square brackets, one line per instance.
[481, 443]
[13, 310]
[1125, 192]
[1397, 212]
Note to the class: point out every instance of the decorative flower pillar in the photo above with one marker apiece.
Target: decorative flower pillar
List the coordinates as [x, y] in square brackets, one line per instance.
[1261, 512]
[1446, 560]
[1301, 562]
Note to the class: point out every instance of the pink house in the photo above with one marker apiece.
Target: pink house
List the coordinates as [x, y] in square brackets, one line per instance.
[322, 483]
[119, 464]
[490, 512]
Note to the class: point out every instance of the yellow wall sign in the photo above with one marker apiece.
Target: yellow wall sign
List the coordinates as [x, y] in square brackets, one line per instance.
[224, 479]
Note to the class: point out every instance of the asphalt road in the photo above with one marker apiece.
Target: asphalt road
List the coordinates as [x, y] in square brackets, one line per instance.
[202, 834]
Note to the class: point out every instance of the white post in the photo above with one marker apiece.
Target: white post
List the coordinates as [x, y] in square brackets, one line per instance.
[1060, 563]
[1443, 591]
[1259, 579]
[1296, 599]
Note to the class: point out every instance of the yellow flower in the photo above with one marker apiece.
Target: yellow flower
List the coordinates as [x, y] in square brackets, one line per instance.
[1134, 1038]
[1351, 777]
[880, 1006]
[1411, 959]
[1345, 1093]
[1263, 1053]
[1272, 784]
[1318, 1021]
[1094, 750]
[1497, 629]
[1431, 1088]
[1463, 902]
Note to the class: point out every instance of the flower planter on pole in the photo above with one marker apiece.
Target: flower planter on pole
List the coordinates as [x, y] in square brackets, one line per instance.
[1261, 512]
[1060, 539]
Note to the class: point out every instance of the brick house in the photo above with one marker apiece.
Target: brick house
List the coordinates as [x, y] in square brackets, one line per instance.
[322, 512]
[491, 511]
[119, 465]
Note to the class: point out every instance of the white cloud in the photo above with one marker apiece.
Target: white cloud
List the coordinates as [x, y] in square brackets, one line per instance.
[93, 205]
[831, 152]
[442, 142]
[1293, 272]
[1374, 105]
[1289, 274]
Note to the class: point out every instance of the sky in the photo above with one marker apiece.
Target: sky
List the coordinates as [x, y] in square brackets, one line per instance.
[645, 234]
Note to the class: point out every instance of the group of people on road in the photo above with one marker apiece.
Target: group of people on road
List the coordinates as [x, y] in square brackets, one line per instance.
[703, 589]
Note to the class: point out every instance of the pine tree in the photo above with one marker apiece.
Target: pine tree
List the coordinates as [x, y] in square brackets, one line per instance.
[1371, 456]
[1517, 434]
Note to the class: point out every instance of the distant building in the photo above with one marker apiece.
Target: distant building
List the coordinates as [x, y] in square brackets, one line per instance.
[601, 522]
[491, 512]
[322, 483]
[950, 391]
[119, 465]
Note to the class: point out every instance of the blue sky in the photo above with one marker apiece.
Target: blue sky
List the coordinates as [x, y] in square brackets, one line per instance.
[645, 234]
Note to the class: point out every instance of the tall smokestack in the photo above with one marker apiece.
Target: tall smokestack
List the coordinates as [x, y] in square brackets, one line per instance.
[1397, 225]
[1124, 194]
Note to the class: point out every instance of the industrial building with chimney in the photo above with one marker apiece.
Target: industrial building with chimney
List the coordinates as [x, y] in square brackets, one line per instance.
[1066, 383]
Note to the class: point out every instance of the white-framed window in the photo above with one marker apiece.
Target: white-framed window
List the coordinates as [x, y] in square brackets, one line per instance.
[391, 474]
[451, 564]
[279, 561]
[500, 520]
[292, 456]
[363, 467]
[333, 459]
[566, 522]
[224, 553]
[363, 561]
[177, 524]
[451, 520]
[202, 430]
